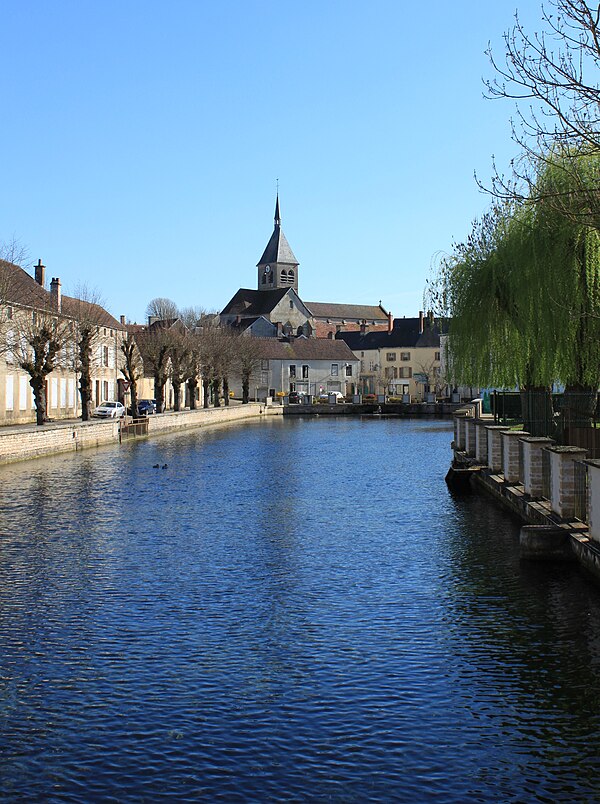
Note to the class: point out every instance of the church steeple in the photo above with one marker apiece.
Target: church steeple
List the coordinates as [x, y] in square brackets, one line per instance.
[278, 267]
[277, 215]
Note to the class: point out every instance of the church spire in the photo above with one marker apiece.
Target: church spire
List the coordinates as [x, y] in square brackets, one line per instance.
[277, 215]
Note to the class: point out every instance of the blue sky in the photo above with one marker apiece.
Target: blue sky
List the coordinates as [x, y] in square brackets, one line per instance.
[141, 141]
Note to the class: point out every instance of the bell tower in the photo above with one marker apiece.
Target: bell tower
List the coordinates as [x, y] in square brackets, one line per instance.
[278, 267]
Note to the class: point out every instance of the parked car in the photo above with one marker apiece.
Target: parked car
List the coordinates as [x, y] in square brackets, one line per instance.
[109, 410]
[146, 407]
[295, 398]
[326, 394]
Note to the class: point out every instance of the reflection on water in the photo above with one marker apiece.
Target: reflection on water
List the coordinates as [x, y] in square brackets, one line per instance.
[290, 610]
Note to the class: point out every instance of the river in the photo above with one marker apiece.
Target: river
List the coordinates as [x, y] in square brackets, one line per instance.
[290, 610]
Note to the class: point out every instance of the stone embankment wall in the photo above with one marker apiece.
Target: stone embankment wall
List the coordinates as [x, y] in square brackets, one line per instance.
[28, 441]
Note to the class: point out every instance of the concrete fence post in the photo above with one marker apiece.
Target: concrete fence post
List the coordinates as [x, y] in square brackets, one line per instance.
[511, 457]
[532, 463]
[594, 499]
[494, 448]
[481, 442]
[562, 479]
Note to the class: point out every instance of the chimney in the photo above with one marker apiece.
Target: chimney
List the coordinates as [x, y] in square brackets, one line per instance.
[363, 328]
[40, 273]
[390, 322]
[122, 320]
[56, 292]
[420, 322]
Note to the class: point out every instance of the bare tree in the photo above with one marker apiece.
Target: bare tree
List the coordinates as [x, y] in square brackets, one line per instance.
[555, 73]
[132, 367]
[39, 347]
[162, 309]
[85, 308]
[155, 346]
[14, 251]
[247, 360]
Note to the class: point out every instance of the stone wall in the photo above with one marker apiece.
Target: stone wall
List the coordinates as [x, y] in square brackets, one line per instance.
[29, 441]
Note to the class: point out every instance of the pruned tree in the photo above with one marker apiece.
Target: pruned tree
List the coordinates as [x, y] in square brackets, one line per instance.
[85, 308]
[155, 346]
[132, 367]
[38, 346]
[181, 345]
[247, 361]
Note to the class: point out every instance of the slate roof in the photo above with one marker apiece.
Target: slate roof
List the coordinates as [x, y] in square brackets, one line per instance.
[405, 333]
[19, 287]
[253, 303]
[278, 250]
[303, 349]
[347, 311]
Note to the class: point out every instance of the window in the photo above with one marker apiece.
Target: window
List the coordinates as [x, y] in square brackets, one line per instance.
[9, 313]
[264, 364]
[362, 354]
[390, 357]
[105, 355]
[283, 276]
[348, 370]
[305, 372]
[406, 372]
[292, 371]
[404, 356]
[291, 304]
[334, 369]
[9, 402]
[264, 279]
[437, 356]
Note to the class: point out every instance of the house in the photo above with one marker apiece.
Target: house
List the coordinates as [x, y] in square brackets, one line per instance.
[25, 304]
[331, 318]
[403, 361]
[307, 365]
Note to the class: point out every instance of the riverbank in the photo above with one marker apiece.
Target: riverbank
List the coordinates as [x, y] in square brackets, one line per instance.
[28, 441]
[547, 487]
[438, 410]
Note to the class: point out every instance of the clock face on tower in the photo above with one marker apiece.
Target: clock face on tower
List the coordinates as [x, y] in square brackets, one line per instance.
[267, 269]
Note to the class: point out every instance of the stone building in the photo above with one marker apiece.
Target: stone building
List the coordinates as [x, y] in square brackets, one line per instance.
[24, 303]
[404, 361]
[275, 308]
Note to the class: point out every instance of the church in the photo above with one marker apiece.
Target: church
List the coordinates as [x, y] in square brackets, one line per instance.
[276, 310]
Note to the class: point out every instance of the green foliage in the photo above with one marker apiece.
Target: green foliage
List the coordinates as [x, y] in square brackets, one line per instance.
[523, 292]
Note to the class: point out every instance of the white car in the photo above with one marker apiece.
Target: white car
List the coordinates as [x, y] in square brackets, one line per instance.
[326, 394]
[109, 410]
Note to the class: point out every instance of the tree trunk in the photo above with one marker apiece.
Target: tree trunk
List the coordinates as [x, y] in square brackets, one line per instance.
[216, 389]
[159, 394]
[537, 412]
[245, 388]
[176, 396]
[226, 391]
[39, 394]
[192, 385]
[85, 380]
[206, 391]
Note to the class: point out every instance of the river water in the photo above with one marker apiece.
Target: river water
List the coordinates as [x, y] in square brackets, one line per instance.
[295, 610]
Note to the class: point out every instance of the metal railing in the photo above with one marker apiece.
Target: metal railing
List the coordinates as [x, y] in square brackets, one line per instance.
[581, 491]
[570, 419]
[133, 428]
[546, 475]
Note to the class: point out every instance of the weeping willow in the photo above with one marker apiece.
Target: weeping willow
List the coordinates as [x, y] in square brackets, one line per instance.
[523, 292]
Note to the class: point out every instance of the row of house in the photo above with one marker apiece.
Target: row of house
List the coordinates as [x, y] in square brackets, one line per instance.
[308, 347]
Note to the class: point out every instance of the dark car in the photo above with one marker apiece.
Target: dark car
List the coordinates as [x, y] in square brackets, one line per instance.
[294, 398]
[146, 407]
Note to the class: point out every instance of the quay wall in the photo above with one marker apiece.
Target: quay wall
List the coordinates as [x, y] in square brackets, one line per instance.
[29, 441]
[437, 409]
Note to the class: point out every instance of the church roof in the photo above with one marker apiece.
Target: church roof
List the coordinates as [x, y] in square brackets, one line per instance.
[248, 303]
[278, 249]
[347, 311]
